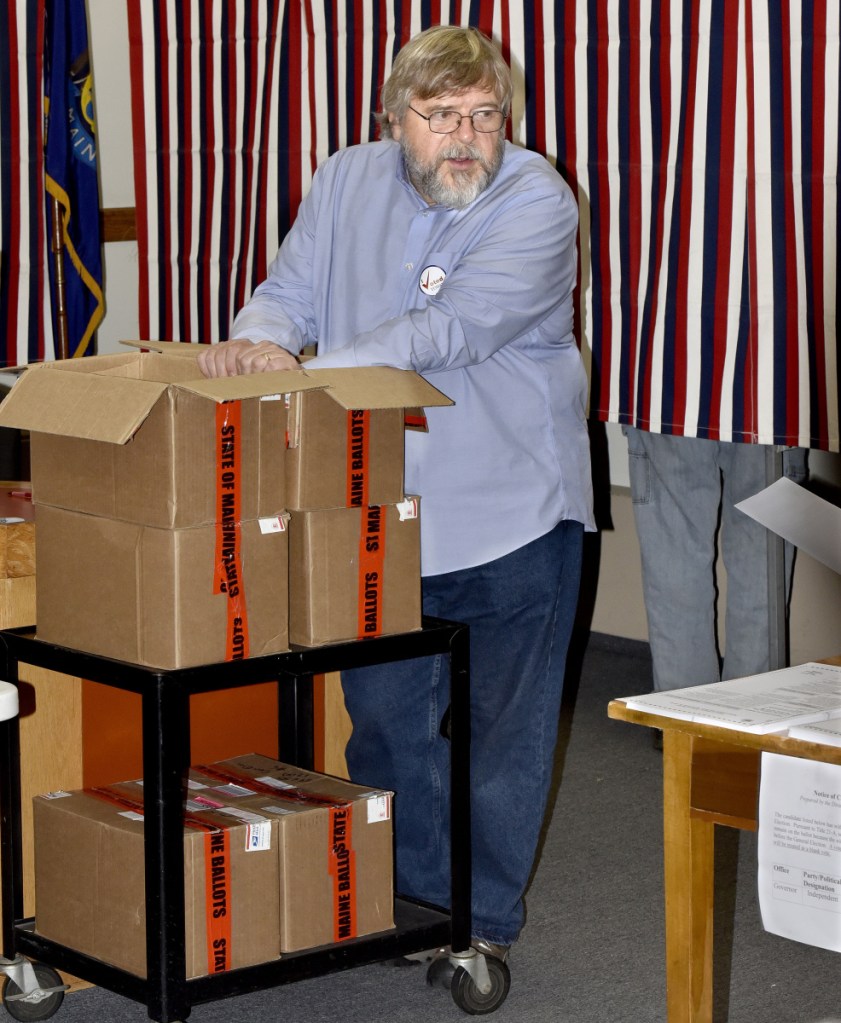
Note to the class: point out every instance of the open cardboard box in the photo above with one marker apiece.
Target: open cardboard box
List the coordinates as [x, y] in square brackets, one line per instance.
[139, 436]
[128, 446]
[346, 440]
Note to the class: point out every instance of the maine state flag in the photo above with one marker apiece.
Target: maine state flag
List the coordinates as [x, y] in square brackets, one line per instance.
[70, 176]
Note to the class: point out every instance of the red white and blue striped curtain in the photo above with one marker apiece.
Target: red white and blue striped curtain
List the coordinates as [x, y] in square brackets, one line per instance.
[25, 324]
[701, 138]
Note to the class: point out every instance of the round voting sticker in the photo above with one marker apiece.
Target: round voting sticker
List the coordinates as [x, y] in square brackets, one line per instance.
[431, 279]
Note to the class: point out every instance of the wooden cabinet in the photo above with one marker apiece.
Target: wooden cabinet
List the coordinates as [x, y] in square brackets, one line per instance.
[50, 704]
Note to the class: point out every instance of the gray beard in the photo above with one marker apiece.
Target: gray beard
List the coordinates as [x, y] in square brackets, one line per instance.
[426, 179]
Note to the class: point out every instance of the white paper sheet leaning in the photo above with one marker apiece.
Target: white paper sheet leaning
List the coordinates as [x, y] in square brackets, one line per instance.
[800, 850]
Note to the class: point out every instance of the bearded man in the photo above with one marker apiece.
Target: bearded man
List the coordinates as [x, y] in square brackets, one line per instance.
[446, 250]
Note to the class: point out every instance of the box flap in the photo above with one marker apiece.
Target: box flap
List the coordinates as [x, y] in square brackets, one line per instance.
[90, 406]
[357, 387]
[170, 347]
[252, 385]
[378, 387]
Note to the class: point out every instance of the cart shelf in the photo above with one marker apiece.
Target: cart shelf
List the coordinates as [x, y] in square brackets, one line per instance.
[165, 699]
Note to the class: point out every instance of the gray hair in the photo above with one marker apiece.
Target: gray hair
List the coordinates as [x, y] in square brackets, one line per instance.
[443, 60]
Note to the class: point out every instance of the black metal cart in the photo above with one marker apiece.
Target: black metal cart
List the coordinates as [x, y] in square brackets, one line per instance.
[477, 985]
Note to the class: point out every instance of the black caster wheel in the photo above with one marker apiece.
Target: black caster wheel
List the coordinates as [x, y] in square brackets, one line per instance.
[440, 973]
[40, 1004]
[467, 995]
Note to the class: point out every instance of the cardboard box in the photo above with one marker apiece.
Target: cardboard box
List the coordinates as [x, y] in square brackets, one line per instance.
[141, 437]
[297, 860]
[334, 844]
[154, 596]
[90, 889]
[354, 573]
[346, 439]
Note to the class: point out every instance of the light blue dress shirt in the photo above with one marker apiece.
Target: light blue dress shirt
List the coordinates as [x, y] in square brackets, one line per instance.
[479, 302]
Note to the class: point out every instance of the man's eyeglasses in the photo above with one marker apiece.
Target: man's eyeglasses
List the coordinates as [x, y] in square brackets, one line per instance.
[445, 122]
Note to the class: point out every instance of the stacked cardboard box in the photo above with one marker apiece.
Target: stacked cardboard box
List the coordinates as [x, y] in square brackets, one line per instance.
[275, 859]
[354, 538]
[161, 505]
[334, 848]
[159, 508]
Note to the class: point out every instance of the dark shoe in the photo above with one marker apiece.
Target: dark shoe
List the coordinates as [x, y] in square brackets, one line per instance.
[430, 955]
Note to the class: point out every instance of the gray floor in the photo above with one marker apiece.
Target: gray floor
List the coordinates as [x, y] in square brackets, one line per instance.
[592, 950]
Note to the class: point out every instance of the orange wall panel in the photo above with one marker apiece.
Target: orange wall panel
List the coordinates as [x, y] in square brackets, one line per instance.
[223, 724]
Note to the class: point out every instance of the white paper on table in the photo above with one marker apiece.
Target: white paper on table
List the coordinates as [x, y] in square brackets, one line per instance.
[769, 702]
[827, 732]
[799, 516]
[799, 850]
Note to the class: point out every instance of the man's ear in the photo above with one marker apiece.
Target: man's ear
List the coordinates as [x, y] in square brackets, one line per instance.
[395, 127]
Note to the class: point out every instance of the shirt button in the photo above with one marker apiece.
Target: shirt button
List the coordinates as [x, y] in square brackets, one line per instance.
[408, 266]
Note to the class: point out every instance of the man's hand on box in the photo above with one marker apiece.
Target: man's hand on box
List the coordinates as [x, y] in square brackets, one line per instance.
[233, 358]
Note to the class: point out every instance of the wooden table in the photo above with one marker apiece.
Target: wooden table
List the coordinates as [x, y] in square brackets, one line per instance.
[710, 776]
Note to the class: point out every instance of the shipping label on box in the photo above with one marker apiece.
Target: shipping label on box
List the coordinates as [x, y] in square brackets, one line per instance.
[354, 573]
[334, 845]
[90, 887]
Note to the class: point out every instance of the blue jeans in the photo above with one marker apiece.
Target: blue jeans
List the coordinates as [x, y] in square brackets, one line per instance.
[683, 489]
[520, 609]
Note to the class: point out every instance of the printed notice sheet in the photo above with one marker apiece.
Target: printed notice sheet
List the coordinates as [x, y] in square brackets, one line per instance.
[770, 702]
[800, 850]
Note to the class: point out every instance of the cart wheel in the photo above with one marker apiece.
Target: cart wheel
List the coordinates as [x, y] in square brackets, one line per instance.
[467, 995]
[440, 973]
[41, 1004]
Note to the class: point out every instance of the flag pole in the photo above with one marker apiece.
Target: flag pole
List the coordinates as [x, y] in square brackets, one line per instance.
[57, 249]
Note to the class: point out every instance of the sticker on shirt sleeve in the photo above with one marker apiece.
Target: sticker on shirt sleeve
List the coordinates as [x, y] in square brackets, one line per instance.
[431, 279]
